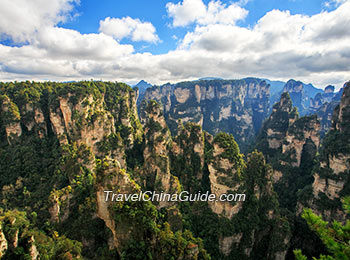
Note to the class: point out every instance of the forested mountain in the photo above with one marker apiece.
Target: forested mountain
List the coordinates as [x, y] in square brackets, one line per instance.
[63, 145]
[237, 107]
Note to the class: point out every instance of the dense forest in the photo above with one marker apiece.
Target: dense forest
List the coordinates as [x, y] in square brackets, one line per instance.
[63, 144]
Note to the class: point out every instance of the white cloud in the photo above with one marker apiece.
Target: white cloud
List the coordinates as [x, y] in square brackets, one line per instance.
[280, 46]
[190, 11]
[71, 44]
[21, 18]
[332, 3]
[186, 12]
[127, 27]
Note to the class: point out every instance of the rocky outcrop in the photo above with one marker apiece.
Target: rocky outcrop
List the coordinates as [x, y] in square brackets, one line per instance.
[275, 128]
[300, 135]
[231, 106]
[187, 156]
[287, 136]
[87, 120]
[324, 113]
[297, 94]
[156, 169]
[323, 104]
[331, 174]
[3, 243]
[225, 168]
[10, 118]
[226, 243]
[33, 251]
[113, 180]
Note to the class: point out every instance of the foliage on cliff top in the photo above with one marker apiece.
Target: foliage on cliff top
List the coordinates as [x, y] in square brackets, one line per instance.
[335, 236]
[16, 224]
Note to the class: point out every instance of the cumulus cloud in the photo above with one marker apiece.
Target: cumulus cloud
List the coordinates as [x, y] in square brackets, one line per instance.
[127, 27]
[21, 18]
[195, 11]
[332, 3]
[71, 44]
[279, 46]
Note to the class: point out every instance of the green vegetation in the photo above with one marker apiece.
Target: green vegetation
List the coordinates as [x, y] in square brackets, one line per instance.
[335, 236]
[77, 139]
[21, 231]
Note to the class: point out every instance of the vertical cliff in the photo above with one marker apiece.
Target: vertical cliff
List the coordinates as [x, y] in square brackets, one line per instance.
[232, 106]
[332, 172]
[187, 156]
[290, 145]
[156, 169]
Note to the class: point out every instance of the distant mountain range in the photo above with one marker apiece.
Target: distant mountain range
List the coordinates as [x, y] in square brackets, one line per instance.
[143, 85]
[233, 105]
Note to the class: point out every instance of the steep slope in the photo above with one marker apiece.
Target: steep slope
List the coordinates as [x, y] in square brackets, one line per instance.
[323, 105]
[290, 145]
[331, 175]
[64, 147]
[232, 106]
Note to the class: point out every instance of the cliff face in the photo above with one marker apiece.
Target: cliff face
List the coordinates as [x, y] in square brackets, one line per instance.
[298, 95]
[290, 145]
[301, 137]
[225, 167]
[331, 174]
[156, 169]
[64, 145]
[85, 139]
[274, 130]
[187, 156]
[323, 104]
[231, 106]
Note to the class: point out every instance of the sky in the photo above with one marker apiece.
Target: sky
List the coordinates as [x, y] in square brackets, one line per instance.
[170, 41]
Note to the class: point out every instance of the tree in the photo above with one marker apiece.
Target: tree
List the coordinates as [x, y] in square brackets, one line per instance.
[335, 236]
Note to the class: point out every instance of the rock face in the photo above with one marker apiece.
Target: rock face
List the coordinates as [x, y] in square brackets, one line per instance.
[297, 92]
[225, 174]
[284, 133]
[231, 106]
[305, 96]
[331, 174]
[302, 134]
[310, 100]
[323, 104]
[274, 130]
[156, 170]
[3, 244]
[187, 156]
[290, 145]
[10, 118]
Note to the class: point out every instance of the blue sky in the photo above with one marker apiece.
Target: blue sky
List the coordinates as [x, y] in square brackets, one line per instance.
[170, 41]
[89, 13]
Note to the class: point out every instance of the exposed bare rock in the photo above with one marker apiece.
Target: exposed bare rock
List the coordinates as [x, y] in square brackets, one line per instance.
[113, 178]
[330, 177]
[10, 118]
[274, 130]
[339, 163]
[218, 105]
[60, 204]
[3, 243]
[224, 174]
[187, 156]
[33, 251]
[226, 243]
[182, 95]
[156, 170]
[303, 130]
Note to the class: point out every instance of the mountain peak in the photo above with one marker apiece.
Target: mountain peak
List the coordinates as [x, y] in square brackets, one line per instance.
[143, 85]
[329, 89]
